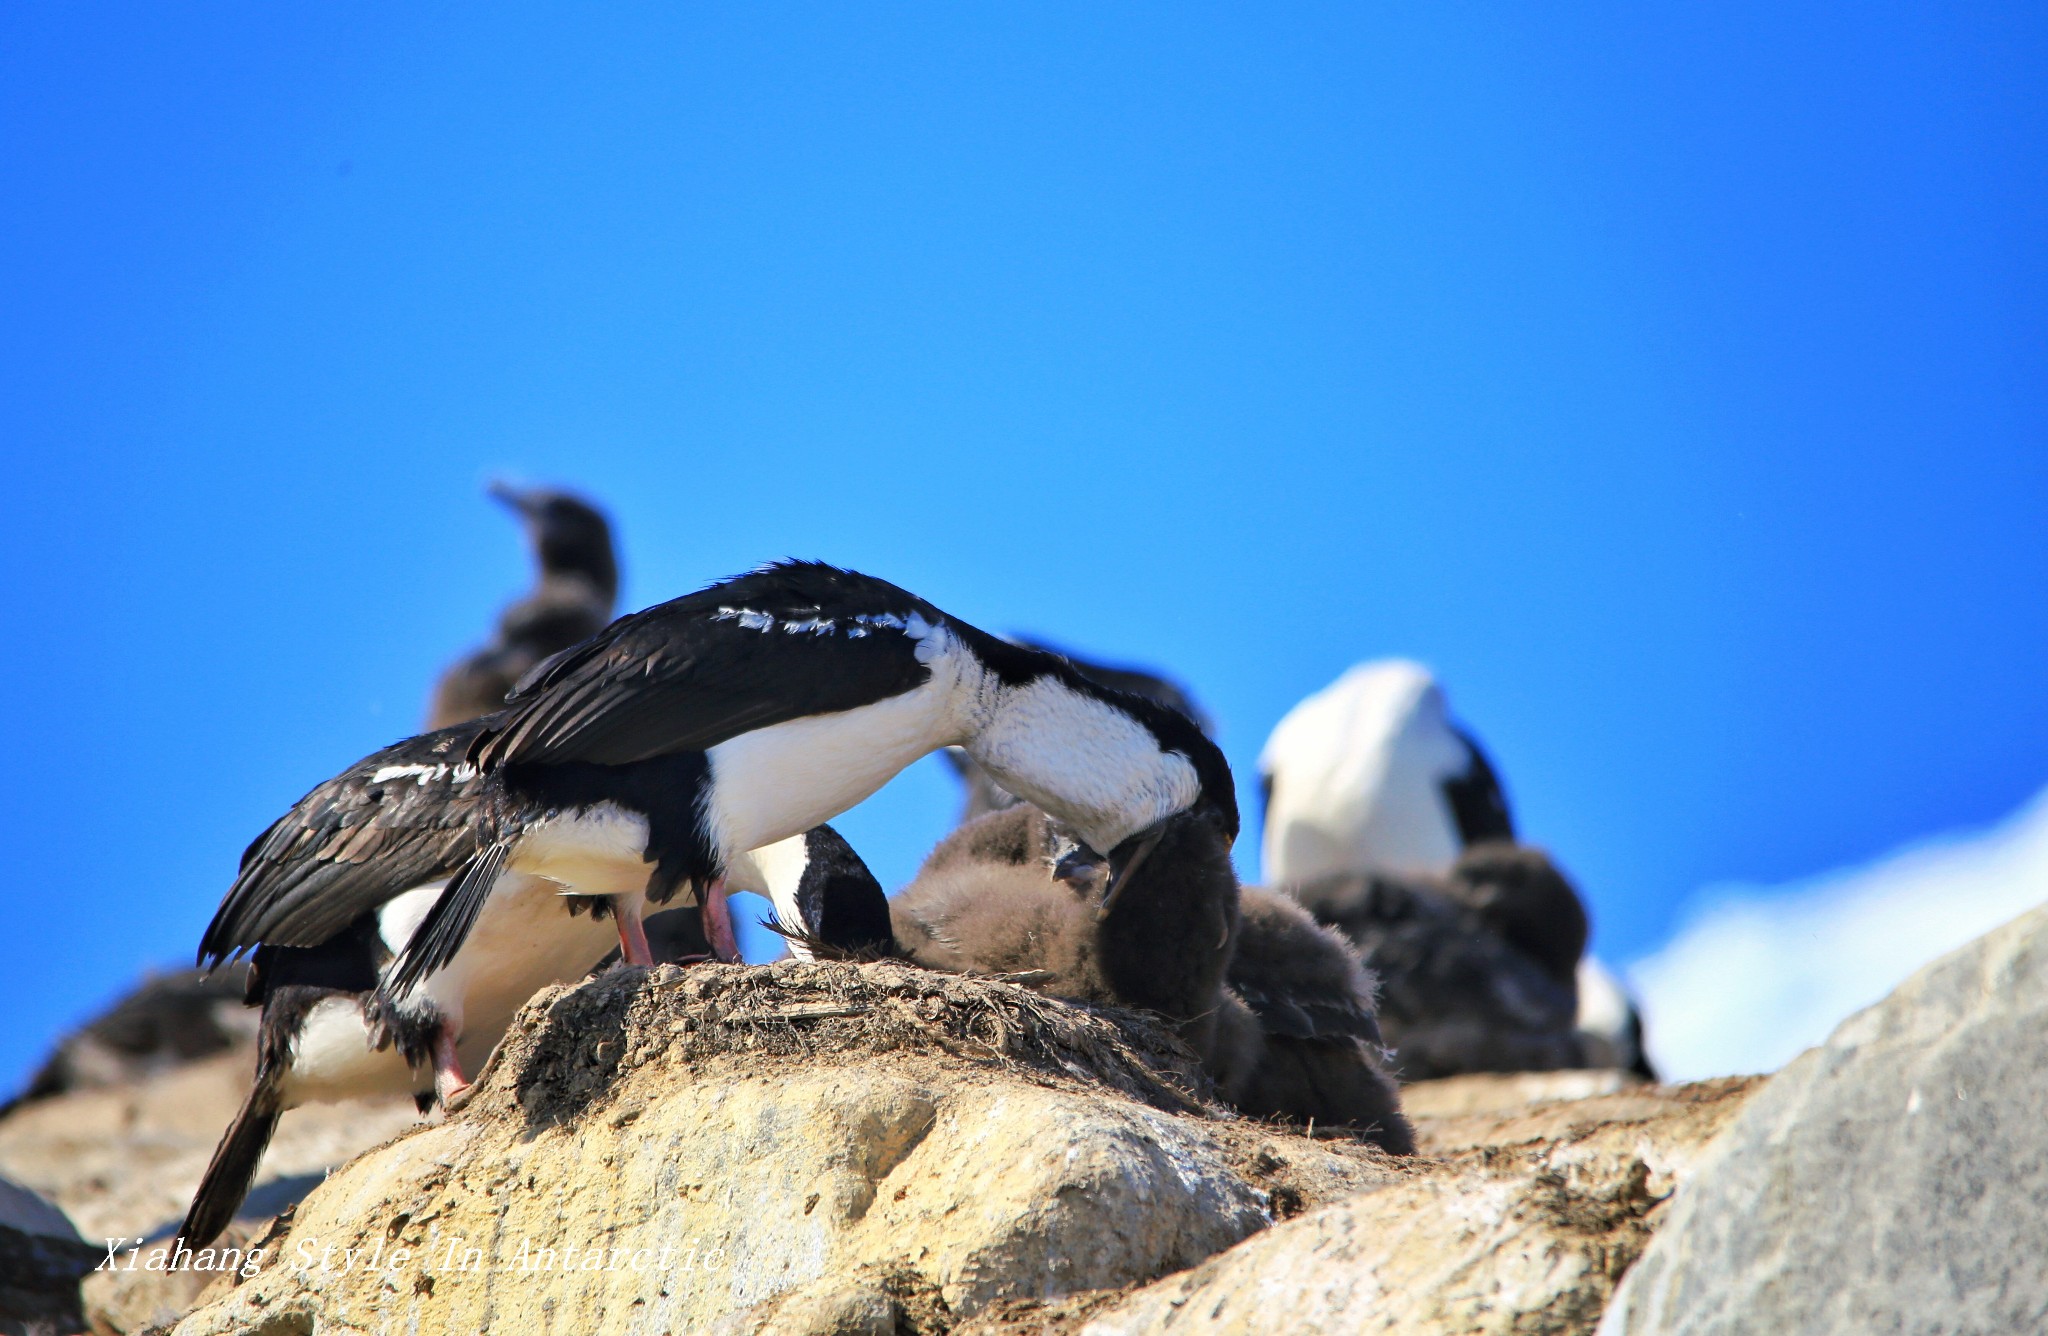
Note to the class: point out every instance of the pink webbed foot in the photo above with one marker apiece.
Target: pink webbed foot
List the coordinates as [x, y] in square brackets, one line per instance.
[718, 923]
[450, 1085]
[633, 947]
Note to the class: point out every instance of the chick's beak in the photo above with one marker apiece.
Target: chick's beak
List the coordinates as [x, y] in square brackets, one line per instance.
[1080, 868]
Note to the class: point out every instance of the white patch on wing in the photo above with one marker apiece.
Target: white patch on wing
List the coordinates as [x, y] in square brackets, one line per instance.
[1083, 760]
[857, 628]
[1357, 773]
[775, 782]
[424, 775]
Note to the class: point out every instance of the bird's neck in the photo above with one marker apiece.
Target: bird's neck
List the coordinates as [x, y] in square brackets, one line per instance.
[1080, 758]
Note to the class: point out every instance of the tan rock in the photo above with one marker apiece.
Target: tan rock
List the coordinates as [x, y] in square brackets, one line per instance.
[132, 1296]
[791, 1148]
[1494, 1092]
[123, 1160]
[1525, 1227]
[832, 1150]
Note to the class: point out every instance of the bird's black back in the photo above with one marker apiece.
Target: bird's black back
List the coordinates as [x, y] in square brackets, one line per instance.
[698, 670]
[695, 671]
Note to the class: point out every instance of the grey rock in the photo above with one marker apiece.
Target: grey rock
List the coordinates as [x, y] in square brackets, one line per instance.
[41, 1260]
[1891, 1180]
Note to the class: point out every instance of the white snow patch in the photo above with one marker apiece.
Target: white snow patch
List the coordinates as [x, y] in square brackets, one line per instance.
[1759, 974]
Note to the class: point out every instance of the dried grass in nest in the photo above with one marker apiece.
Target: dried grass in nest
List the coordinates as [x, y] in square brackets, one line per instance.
[571, 1045]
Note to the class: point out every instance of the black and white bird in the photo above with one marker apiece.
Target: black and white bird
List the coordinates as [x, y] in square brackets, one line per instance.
[654, 755]
[353, 868]
[1370, 774]
[1387, 819]
[326, 899]
[824, 896]
[984, 795]
[1277, 1008]
[576, 586]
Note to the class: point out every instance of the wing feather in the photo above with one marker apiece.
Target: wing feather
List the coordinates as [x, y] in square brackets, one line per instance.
[351, 844]
[793, 640]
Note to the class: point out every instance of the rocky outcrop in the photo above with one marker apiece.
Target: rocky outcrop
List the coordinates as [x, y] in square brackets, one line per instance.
[1525, 1224]
[674, 1149]
[814, 1148]
[1889, 1180]
[807, 1149]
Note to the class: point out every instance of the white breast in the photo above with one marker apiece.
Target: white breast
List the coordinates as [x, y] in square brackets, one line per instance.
[524, 940]
[775, 782]
[1083, 760]
[597, 850]
[1357, 772]
[333, 1058]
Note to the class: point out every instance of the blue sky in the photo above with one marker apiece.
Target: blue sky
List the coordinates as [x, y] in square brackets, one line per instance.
[1674, 384]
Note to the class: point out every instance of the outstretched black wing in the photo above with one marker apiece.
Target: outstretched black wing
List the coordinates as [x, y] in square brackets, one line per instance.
[794, 639]
[400, 818]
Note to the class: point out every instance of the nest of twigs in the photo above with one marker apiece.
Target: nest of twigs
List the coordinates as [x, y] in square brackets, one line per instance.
[571, 1045]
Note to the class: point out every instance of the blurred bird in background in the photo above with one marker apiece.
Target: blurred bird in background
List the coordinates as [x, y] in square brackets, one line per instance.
[1388, 821]
[571, 600]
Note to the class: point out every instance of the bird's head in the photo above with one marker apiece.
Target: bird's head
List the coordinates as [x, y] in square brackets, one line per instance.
[570, 536]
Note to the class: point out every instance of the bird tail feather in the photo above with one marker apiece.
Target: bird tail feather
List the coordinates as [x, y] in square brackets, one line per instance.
[232, 1169]
[446, 926]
